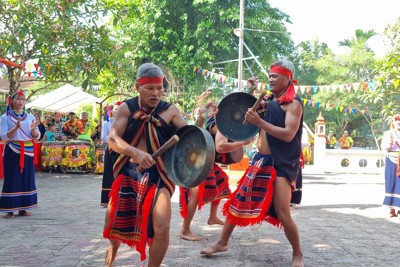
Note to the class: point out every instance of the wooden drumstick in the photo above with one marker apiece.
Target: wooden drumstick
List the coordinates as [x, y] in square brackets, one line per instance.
[257, 104]
[166, 146]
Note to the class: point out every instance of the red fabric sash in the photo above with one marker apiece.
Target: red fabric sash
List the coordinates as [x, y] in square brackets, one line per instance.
[22, 156]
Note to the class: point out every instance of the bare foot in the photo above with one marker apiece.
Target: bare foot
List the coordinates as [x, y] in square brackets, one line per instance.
[216, 220]
[24, 213]
[297, 261]
[214, 249]
[190, 236]
[392, 213]
[110, 256]
[9, 215]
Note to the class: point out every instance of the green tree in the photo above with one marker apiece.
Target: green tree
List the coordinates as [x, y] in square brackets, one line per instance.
[305, 58]
[187, 33]
[361, 38]
[68, 38]
[388, 73]
[357, 65]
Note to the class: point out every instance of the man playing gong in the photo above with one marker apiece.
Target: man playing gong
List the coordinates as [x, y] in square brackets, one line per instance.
[282, 124]
[139, 210]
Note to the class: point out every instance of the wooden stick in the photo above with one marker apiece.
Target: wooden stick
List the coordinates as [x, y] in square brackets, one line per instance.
[257, 104]
[166, 146]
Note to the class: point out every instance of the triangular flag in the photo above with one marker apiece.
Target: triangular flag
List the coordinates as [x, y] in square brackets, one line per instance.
[364, 86]
[314, 88]
[348, 86]
[356, 86]
[371, 86]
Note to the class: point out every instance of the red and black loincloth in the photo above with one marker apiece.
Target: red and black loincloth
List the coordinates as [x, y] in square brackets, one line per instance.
[214, 188]
[252, 201]
[131, 199]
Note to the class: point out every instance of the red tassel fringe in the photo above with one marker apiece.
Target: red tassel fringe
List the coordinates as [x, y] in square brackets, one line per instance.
[266, 205]
[113, 195]
[200, 194]
[146, 210]
[183, 202]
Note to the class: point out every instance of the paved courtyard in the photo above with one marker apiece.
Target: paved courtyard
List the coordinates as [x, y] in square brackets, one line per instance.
[341, 223]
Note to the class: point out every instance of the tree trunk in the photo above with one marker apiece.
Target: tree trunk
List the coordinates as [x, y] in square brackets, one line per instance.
[14, 75]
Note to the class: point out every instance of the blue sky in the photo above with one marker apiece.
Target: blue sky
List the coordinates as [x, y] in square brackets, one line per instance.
[334, 21]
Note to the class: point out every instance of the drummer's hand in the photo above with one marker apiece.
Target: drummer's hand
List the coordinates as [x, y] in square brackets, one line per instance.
[252, 117]
[144, 160]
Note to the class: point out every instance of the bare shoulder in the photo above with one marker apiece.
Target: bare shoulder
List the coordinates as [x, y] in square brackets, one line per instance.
[174, 109]
[295, 107]
[175, 117]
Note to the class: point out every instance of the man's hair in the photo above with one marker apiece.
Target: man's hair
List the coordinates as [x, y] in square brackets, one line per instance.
[149, 70]
[286, 64]
[50, 124]
[84, 113]
[71, 113]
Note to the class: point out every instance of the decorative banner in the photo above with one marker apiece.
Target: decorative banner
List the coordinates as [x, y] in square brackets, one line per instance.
[302, 89]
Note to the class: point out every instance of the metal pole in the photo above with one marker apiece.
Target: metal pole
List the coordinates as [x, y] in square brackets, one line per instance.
[258, 62]
[241, 41]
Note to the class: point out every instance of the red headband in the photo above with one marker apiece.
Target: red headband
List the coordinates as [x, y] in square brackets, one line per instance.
[19, 92]
[281, 70]
[150, 80]
[289, 95]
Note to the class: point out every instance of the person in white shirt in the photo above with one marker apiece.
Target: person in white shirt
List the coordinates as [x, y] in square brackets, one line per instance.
[20, 130]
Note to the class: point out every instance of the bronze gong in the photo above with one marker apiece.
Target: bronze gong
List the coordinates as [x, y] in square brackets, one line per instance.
[190, 161]
[230, 117]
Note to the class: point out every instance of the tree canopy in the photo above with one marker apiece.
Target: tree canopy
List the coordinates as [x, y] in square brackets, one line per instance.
[183, 34]
[68, 39]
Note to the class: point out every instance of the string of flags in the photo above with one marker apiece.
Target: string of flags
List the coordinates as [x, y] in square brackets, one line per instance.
[33, 69]
[302, 90]
[29, 67]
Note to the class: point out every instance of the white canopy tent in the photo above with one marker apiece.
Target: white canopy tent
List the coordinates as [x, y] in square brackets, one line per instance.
[65, 99]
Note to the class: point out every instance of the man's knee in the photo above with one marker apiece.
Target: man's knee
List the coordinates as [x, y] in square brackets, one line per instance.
[162, 229]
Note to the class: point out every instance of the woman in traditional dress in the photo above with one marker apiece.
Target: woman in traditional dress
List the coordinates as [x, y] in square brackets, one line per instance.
[391, 143]
[19, 129]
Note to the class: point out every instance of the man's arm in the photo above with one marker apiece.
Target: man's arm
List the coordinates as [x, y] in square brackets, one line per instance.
[223, 146]
[120, 146]
[294, 112]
